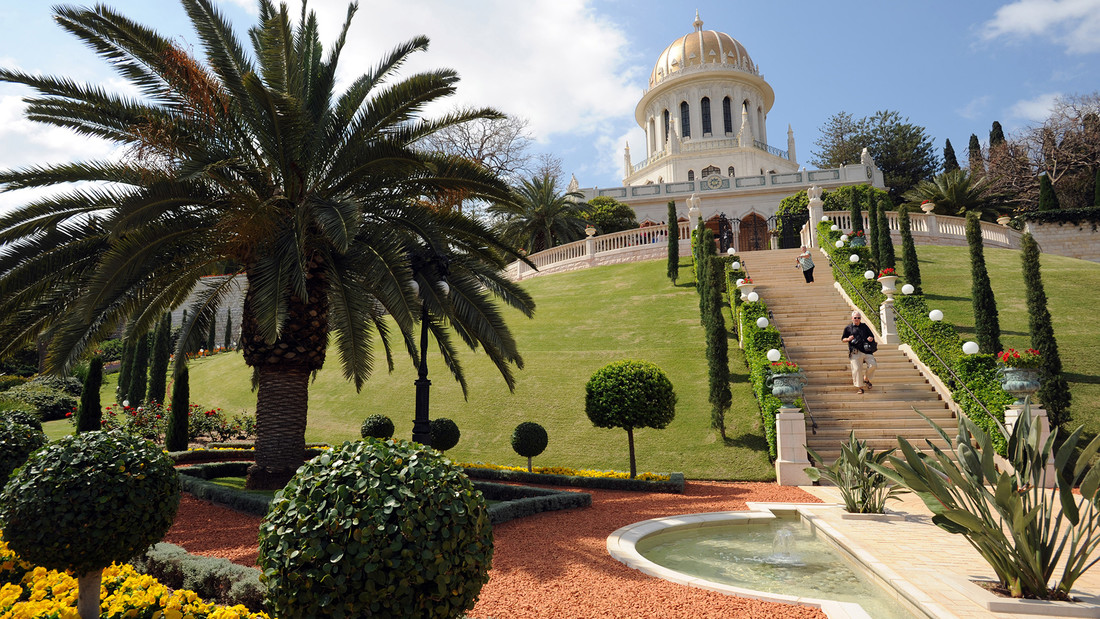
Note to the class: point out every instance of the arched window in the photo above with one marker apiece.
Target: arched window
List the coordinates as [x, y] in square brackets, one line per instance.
[666, 125]
[731, 172]
[704, 108]
[685, 120]
[727, 115]
[711, 169]
[691, 175]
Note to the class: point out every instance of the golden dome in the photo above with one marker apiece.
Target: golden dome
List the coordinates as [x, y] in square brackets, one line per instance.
[699, 48]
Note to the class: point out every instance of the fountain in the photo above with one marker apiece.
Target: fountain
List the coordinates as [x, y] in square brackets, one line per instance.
[770, 555]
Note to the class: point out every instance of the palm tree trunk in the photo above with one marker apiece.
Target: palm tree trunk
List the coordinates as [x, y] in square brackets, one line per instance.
[282, 398]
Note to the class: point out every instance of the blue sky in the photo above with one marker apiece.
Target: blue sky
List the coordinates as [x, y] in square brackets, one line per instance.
[576, 68]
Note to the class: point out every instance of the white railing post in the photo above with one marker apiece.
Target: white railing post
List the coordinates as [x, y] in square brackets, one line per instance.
[790, 445]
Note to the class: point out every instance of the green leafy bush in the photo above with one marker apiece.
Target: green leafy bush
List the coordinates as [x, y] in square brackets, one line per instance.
[376, 426]
[110, 350]
[106, 496]
[219, 580]
[865, 490]
[979, 374]
[630, 394]
[444, 433]
[1007, 514]
[376, 528]
[529, 439]
[8, 381]
[69, 385]
[17, 441]
[757, 342]
[49, 404]
[23, 416]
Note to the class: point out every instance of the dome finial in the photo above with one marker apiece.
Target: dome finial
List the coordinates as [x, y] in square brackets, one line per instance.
[698, 22]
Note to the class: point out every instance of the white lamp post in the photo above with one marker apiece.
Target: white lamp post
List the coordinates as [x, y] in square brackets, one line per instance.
[970, 348]
[730, 252]
[935, 315]
[753, 297]
[774, 355]
[908, 289]
[839, 244]
[735, 266]
[869, 274]
[854, 258]
[762, 322]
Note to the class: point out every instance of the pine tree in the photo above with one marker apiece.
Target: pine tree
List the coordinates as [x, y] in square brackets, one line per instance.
[996, 136]
[977, 163]
[673, 243]
[949, 161]
[1048, 200]
[211, 335]
[1054, 391]
[175, 436]
[158, 363]
[717, 348]
[856, 213]
[228, 341]
[139, 371]
[89, 413]
[887, 260]
[126, 361]
[986, 323]
[873, 227]
[908, 250]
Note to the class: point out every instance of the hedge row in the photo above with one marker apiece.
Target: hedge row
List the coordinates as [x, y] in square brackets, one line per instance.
[756, 343]
[198, 456]
[193, 480]
[522, 501]
[675, 483]
[1075, 216]
[218, 580]
[976, 372]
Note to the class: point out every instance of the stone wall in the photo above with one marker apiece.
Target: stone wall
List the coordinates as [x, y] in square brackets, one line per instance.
[1067, 239]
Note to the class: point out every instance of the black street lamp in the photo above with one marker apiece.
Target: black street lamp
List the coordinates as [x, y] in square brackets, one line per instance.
[432, 266]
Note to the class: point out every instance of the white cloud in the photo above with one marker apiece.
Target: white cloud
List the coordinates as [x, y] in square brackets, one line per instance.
[974, 108]
[1036, 109]
[1071, 23]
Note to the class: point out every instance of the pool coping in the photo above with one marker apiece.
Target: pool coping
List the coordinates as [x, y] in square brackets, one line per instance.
[621, 544]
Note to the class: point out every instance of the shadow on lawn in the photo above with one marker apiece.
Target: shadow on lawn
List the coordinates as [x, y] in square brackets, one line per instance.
[748, 440]
[1081, 378]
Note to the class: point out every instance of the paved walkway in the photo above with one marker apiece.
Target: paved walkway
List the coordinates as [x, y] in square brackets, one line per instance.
[931, 565]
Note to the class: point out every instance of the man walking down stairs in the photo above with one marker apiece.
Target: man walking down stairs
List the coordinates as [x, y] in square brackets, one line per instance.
[811, 318]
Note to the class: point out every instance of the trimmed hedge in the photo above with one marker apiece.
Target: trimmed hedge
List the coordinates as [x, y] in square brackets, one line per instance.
[8, 381]
[756, 343]
[219, 580]
[673, 485]
[50, 404]
[192, 481]
[197, 456]
[522, 501]
[1075, 216]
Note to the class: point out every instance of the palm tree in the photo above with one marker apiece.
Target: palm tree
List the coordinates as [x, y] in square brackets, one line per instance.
[540, 217]
[253, 160]
[956, 192]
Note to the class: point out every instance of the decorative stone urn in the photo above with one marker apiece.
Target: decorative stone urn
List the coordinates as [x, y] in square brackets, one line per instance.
[928, 207]
[1019, 382]
[1003, 220]
[745, 290]
[889, 284]
[857, 241]
[786, 387]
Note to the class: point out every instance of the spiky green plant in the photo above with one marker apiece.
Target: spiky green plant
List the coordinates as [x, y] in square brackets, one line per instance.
[540, 215]
[864, 490]
[1022, 528]
[251, 157]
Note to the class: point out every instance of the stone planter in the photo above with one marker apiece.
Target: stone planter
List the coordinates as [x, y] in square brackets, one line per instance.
[888, 284]
[857, 241]
[928, 207]
[745, 290]
[786, 387]
[1019, 382]
[1003, 220]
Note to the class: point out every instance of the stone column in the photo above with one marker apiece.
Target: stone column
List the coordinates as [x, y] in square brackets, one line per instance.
[889, 328]
[817, 211]
[590, 248]
[790, 439]
[1038, 417]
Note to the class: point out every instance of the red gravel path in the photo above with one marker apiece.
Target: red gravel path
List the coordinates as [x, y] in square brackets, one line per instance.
[553, 565]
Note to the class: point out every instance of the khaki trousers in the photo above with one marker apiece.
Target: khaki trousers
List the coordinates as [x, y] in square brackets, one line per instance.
[859, 374]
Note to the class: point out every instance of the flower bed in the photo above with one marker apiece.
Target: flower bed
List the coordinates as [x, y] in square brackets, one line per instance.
[560, 476]
[34, 591]
[230, 454]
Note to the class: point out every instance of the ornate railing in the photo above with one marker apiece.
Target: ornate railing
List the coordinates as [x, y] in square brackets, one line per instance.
[771, 149]
[640, 243]
[931, 229]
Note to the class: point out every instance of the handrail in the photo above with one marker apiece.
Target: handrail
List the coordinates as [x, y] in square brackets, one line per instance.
[955, 377]
[783, 345]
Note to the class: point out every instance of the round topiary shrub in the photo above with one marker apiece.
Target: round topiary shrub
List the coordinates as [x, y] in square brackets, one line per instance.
[376, 426]
[17, 441]
[106, 496]
[445, 433]
[23, 416]
[630, 394]
[376, 528]
[529, 439]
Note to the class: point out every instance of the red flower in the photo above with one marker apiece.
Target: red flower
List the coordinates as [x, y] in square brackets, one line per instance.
[68, 414]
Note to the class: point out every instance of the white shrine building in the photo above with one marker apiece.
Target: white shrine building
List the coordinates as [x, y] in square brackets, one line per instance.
[705, 116]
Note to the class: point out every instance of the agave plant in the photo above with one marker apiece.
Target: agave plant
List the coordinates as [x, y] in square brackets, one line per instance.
[865, 491]
[1024, 529]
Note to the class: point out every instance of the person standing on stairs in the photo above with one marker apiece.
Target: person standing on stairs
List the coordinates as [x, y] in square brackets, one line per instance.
[806, 263]
[861, 350]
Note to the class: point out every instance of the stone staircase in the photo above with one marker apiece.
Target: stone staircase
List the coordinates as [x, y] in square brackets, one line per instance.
[811, 318]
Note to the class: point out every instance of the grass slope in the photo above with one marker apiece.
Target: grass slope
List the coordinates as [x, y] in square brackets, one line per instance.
[1071, 286]
[584, 320]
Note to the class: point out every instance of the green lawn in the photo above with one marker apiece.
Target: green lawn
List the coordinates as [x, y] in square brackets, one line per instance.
[1072, 291]
[584, 320]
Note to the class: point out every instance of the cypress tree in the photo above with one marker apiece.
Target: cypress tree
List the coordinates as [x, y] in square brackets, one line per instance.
[986, 323]
[873, 227]
[228, 342]
[158, 363]
[1054, 391]
[996, 136]
[855, 212]
[89, 414]
[887, 260]
[908, 249]
[212, 334]
[949, 161]
[717, 349]
[139, 371]
[122, 391]
[706, 250]
[673, 242]
[175, 437]
[1048, 200]
[977, 163]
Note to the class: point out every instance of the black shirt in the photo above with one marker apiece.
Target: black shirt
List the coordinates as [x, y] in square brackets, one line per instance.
[860, 332]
